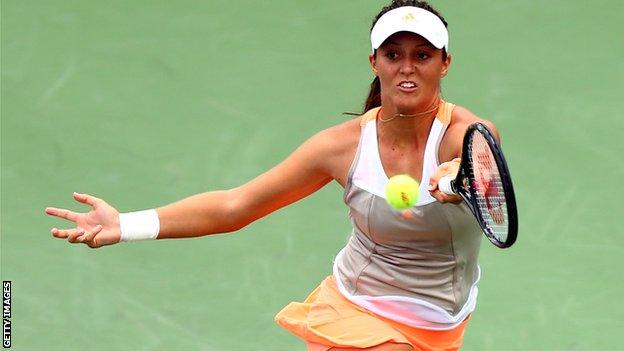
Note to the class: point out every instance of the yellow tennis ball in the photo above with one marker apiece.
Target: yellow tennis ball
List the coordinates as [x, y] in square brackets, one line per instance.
[402, 191]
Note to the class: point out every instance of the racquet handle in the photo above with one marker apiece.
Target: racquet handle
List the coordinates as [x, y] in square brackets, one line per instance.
[445, 186]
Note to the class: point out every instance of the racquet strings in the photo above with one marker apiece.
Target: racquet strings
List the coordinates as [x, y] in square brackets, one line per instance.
[489, 191]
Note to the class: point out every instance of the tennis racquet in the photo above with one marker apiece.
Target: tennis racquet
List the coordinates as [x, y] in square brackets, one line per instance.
[484, 183]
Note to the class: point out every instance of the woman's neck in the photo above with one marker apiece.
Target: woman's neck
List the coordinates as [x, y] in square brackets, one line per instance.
[406, 127]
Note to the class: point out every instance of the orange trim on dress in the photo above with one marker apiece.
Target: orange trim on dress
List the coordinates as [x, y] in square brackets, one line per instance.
[327, 318]
[444, 112]
[369, 115]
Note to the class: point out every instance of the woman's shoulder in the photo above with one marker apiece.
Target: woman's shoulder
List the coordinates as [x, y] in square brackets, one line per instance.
[462, 118]
[335, 147]
[342, 133]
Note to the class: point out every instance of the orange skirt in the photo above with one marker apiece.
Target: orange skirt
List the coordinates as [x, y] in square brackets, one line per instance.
[328, 318]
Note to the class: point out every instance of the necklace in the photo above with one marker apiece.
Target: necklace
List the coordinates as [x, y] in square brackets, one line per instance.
[408, 116]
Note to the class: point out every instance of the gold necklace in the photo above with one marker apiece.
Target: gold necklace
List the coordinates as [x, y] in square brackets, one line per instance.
[408, 116]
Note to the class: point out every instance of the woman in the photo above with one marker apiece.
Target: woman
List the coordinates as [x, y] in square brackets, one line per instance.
[404, 281]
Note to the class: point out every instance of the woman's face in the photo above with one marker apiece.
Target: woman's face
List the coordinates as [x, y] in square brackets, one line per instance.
[410, 70]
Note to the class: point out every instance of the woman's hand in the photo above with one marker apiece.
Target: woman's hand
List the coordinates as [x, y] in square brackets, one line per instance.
[97, 228]
[447, 168]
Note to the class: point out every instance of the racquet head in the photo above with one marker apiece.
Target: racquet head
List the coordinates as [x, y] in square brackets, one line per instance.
[489, 183]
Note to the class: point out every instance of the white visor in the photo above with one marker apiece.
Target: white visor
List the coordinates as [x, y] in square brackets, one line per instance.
[410, 19]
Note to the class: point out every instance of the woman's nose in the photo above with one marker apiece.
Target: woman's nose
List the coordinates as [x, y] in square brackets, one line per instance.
[408, 67]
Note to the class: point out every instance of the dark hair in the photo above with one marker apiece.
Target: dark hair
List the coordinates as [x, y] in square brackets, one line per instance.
[374, 95]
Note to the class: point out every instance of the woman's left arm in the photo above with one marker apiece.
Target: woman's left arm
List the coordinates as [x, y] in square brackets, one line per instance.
[450, 150]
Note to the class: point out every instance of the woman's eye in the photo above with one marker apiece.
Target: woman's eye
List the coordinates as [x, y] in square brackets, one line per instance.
[392, 55]
[423, 56]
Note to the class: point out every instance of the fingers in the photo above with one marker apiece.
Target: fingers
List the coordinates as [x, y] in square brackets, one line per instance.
[71, 215]
[62, 213]
[87, 199]
[433, 183]
[89, 236]
[442, 170]
[78, 235]
[435, 178]
[66, 233]
[73, 236]
[446, 168]
[445, 198]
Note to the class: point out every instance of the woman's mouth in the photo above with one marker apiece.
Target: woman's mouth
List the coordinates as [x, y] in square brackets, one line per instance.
[407, 86]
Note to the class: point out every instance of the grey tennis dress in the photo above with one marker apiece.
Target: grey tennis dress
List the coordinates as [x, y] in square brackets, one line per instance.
[419, 270]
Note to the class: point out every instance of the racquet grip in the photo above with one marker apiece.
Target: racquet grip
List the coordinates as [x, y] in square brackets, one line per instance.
[444, 184]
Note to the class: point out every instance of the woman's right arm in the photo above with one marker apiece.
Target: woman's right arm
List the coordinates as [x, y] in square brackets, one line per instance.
[302, 173]
[299, 175]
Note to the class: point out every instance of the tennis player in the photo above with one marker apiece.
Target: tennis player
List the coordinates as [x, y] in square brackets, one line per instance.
[401, 282]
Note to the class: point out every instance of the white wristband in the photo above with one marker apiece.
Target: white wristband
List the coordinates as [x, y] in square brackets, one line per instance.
[139, 225]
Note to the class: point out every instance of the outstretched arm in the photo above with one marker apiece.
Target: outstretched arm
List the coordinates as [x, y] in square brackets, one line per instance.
[302, 173]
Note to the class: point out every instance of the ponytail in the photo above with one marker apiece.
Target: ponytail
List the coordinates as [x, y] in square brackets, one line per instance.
[374, 96]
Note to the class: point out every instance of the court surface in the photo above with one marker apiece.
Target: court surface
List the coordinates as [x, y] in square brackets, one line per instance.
[142, 103]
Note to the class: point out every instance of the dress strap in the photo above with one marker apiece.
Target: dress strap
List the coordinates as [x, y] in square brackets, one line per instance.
[370, 115]
[444, 112]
